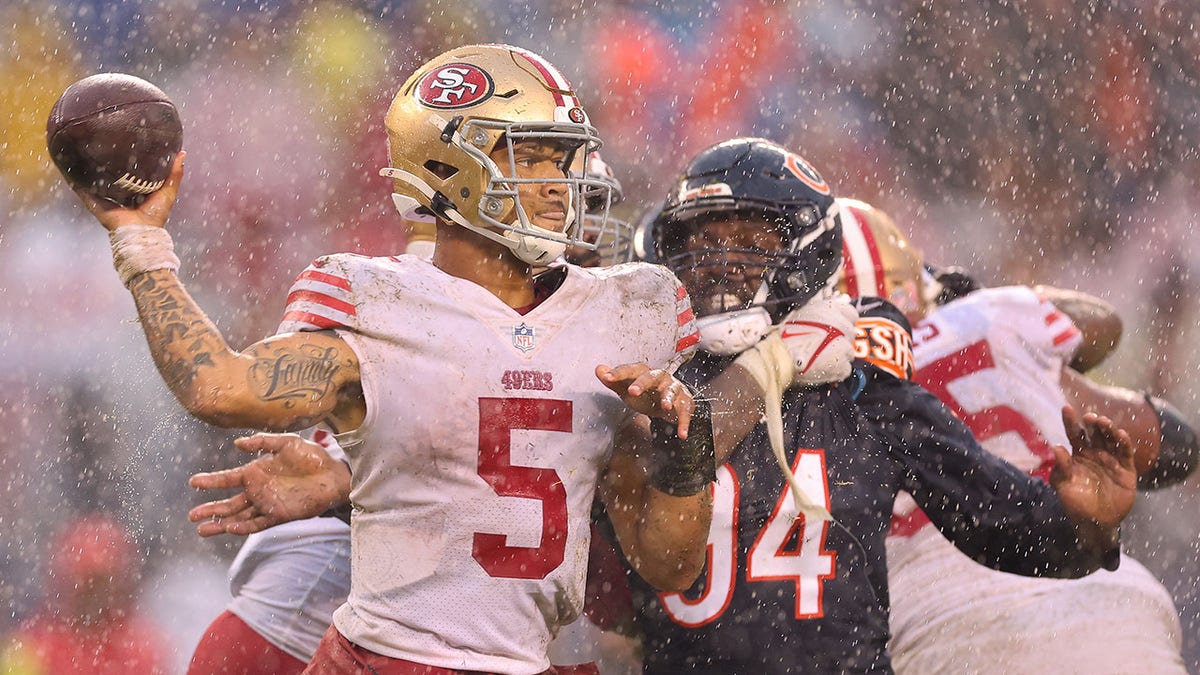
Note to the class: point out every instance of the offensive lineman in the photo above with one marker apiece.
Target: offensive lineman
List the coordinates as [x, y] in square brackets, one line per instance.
[999, 358]
[476, 441]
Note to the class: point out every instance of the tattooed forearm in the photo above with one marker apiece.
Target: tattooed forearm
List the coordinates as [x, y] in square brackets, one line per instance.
[284, 382]
[291, 375]
[182, 339]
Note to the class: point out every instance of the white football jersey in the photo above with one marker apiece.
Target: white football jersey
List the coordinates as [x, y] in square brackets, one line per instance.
[995, 357]
[485, 435]
[287, 581]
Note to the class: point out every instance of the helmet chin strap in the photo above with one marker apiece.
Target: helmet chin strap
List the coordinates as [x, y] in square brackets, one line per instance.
[528, 248]
[533, 250]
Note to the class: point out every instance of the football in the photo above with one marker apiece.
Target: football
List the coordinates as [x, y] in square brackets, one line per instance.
[114, 136]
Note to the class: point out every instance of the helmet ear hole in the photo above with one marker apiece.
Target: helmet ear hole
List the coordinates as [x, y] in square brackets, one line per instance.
[440, 169]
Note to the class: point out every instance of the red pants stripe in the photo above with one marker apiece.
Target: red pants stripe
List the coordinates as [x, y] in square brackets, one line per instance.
[231, 647]
[338, 656]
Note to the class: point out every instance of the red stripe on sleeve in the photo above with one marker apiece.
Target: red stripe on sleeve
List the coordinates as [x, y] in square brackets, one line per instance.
[311, 319]
[686, 342]
[1053, 316]
[325, 278]
[680, 294]
[303, 295]
[686, 316]
[1065, 335]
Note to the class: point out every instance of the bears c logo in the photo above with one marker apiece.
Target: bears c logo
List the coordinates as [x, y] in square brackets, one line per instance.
[455, 85]
[805, 172]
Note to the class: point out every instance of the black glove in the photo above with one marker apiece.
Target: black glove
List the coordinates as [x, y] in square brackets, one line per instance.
[953, 282]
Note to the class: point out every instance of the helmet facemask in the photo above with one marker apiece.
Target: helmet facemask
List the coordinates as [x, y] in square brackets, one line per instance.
[761, 183]
[612, 237]
[501, 207]
[738, 293]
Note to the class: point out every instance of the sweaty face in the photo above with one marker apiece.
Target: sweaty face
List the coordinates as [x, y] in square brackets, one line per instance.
[546, 202]
[723, 261]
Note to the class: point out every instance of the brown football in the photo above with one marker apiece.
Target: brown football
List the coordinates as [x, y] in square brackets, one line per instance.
[114, 135]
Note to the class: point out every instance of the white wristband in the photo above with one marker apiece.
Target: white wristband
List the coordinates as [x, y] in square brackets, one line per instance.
[141, 248]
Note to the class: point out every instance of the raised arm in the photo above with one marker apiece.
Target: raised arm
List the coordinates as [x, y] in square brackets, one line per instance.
[1166, 449]
[286, 382]
[1097, 482]
[994, 512]
[656, 486]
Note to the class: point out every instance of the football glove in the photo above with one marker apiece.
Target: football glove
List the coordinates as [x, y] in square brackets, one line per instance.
[813, 345]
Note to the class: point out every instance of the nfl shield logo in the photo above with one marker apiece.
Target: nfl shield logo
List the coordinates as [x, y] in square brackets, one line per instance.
[523, 337]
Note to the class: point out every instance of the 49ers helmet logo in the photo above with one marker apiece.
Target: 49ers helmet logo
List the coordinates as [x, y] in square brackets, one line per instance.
[455, 85]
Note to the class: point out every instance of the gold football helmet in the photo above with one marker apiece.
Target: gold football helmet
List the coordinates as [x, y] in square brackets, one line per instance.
[878, 260]
[454, 112]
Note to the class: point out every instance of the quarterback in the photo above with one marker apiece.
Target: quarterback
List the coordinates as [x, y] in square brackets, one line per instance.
[287, 581]
[476, 403]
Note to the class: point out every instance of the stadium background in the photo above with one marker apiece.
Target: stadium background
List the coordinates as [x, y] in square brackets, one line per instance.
[1036, 141]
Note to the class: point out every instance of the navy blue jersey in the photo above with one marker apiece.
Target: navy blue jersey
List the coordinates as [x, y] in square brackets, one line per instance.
[781, 595]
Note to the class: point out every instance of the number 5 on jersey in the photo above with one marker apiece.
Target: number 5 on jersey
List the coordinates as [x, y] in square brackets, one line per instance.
[786, 549]
[497, 418]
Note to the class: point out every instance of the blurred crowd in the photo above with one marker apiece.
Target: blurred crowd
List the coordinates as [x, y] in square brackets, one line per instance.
[1048, 141]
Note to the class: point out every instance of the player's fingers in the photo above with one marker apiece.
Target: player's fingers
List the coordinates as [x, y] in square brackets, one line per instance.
[256, 524]
[236, 527]
[1121, 447]
[209, 529]
[157, 206]
[684, 406]
[1103, 432]
[113, 215]
[1076, 433]
[619, 378]
[238, 523]
[222, 508]
[1115, 441]
[218, 480]
[265, 442]
[1129, 450]
[656, 386]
